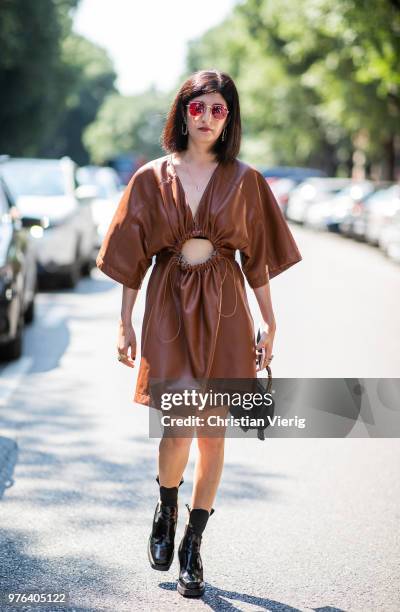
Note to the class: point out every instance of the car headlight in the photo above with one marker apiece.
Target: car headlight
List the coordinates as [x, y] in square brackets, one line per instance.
[36, 231]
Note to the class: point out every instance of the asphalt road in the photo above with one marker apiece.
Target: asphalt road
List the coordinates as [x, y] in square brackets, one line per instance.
[299, 524]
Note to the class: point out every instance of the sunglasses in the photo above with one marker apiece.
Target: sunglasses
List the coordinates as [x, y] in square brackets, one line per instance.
[218, 111]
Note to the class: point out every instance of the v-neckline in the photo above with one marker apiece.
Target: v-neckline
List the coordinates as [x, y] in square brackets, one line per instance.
[179, 182]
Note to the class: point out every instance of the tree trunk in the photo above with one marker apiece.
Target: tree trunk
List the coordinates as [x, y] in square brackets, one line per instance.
[389, 169]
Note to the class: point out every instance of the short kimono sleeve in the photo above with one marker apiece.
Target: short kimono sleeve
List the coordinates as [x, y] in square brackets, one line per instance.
[124, 254]
[270, 247]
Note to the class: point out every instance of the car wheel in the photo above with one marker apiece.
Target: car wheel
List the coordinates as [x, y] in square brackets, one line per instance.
[87, 267]
[71, 277]
[13, 349]
[30, 312]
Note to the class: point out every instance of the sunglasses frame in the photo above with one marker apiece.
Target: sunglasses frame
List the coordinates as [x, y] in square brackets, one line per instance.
[209, 106]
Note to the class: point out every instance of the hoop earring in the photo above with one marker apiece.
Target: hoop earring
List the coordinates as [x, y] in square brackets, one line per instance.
[223, 133]
[184, 132]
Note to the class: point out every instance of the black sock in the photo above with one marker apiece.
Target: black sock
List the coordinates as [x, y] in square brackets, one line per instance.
[198, 519]
[169, 496]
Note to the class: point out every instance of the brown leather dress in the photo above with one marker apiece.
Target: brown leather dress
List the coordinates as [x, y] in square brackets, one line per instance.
[197, 322]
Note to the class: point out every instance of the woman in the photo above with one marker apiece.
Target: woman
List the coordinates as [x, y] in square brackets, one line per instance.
[192, 209]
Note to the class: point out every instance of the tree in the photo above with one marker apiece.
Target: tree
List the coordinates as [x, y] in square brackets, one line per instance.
[89, 79]
[127, 124]
[31, 71]
[347, 61]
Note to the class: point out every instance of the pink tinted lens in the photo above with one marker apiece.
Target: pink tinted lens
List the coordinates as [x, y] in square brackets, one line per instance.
[219, 111]
[196, 108]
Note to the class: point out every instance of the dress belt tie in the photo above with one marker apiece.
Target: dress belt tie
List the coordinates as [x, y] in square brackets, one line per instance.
[177, 259]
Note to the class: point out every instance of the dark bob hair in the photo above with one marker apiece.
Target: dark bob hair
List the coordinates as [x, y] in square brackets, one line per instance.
[199, 83]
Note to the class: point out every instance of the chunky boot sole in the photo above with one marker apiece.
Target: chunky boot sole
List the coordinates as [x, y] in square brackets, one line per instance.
[161, 567]
[186, 592]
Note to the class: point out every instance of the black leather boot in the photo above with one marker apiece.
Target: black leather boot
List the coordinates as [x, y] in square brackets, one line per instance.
[190, 581]
[160, 548]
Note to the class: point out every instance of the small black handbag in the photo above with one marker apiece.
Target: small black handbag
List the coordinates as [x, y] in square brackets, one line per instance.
[264, 412]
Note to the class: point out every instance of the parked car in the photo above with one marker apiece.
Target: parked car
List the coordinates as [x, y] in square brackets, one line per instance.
[281, 188]
[353, 222]
[106, 190]
[283, 179]
[47, 194]
[18, 277]
[310, 192]
[328, 214]
[389, 239]
[380, 211]
[297, 174]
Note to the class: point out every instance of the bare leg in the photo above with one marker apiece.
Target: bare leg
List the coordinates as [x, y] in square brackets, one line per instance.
[209, 464]
[173, 457]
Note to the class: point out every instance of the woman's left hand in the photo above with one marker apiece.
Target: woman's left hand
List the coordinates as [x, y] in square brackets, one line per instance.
[264, 346]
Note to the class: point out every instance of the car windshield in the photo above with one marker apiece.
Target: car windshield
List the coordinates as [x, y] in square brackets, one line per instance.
[384, 194]
[356, 190]
[330, 186]
[34, 178]
[104, 180]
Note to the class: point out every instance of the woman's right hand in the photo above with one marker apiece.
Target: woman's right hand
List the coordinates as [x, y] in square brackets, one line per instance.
[126, 345]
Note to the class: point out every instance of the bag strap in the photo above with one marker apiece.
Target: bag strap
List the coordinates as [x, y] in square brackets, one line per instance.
[269, 384]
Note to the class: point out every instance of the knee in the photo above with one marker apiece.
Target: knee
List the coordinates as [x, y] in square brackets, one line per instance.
[212, 445]
[176, 443]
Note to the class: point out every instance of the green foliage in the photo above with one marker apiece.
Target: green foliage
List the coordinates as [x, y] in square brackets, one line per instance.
[312, 75]
[89, 79]
[127, 124]
[52, 81]
[30, 68]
